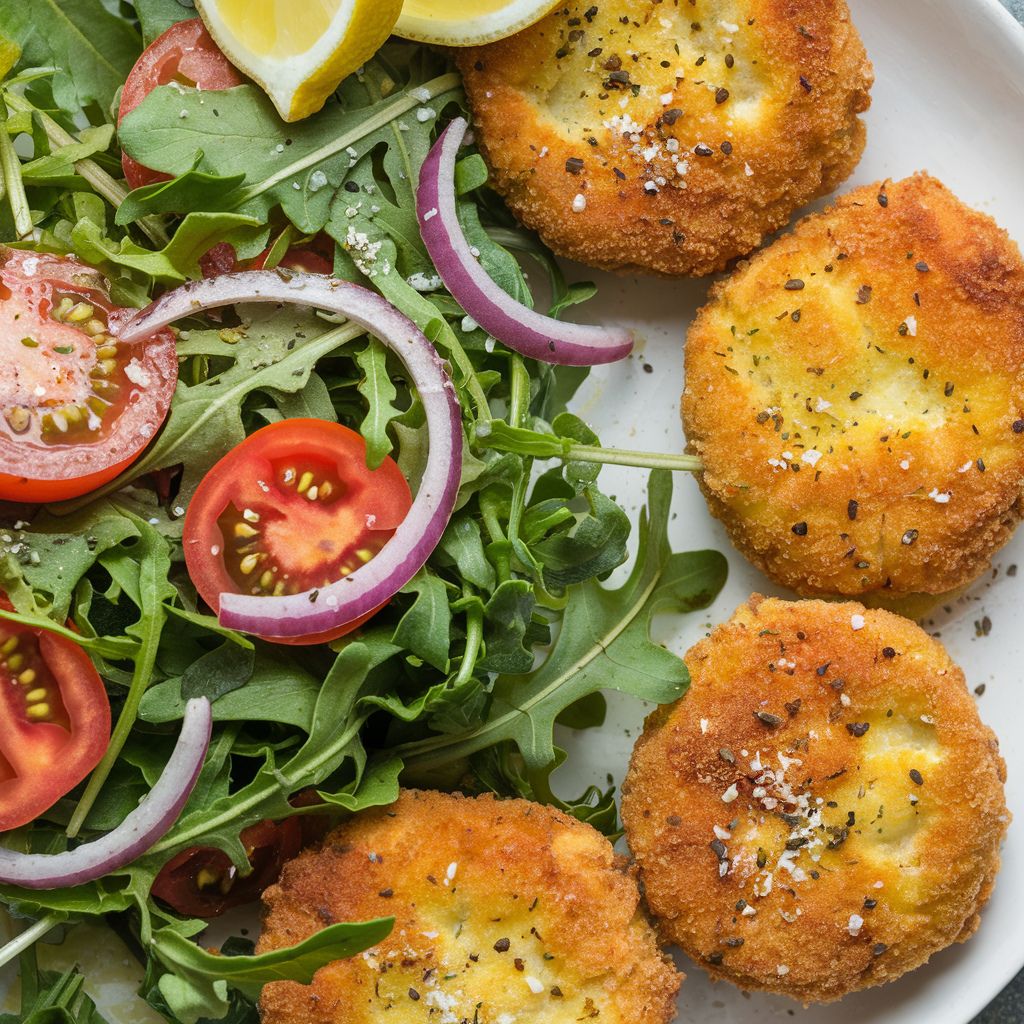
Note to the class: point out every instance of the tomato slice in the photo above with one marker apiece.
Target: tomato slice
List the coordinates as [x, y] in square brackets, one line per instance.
[202, 881]
[315, 257]
[54, 720]
[292, 508]
[76, 405]
[186, 54]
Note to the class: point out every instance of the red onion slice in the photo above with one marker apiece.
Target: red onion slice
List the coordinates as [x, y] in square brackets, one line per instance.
[137, 833]
[372, 584]
[520, 328]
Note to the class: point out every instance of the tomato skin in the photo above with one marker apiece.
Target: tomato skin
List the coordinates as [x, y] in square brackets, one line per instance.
[186, 51]
[180, 881]
[315, 257]
[42, 759]
[119, 401]
[256, 509]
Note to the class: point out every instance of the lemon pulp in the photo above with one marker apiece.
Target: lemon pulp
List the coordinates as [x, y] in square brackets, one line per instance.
[271, 29]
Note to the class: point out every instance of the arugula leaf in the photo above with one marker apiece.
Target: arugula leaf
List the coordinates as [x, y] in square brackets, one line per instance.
[604, 642]
[156, 16]
[222, 670]
[425, 627]
[90, 49]
[199, 982]
[278, 690]
[299, 166]
[378, 390]
[51, 998]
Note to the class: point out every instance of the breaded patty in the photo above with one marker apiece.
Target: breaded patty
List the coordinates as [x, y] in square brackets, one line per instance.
[505, 911]
[823, 811]
[669, 135]
[856, 392]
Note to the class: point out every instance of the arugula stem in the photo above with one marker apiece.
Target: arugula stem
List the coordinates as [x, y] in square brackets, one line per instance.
[11, 167]
[625, 457]
[474, 636]
[493, 526]
[402, 105]
[104, 185]
[141, 678]
[32, 934]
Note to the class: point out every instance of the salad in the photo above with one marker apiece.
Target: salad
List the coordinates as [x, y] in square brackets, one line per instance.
[312, 403]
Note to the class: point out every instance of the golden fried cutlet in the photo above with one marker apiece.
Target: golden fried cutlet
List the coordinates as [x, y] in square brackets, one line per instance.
[856, 392]
[505, 911]
[669, 135]
[823, 811]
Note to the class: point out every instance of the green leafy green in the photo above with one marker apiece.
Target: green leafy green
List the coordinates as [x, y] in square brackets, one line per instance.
[90, 49]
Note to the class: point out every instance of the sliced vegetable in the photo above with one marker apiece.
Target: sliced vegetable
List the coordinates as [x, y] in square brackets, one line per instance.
[520, 328]
[292, 508]
[137, 833]
[76, 404]
[350, 597]
[54, 720]
[202, 881]
[185, 54]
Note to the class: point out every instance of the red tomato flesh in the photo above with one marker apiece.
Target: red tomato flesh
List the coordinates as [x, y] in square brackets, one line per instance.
[292, 508]
[185, 54]
[54, 720]
[202, 881]
[76, 405]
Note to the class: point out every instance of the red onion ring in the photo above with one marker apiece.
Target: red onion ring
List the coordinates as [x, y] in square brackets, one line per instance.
[520, 328]
[372, 584]
[137, 833]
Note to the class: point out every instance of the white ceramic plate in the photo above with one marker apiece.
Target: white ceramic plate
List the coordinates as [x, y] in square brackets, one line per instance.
[949, 98]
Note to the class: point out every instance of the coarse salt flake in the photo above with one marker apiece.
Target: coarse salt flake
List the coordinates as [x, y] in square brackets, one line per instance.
[857, 621]
[939, 497]
[911, 323]
[811, 457]
[579, 203]
[730, 794]
[536, 987]
[855, 924]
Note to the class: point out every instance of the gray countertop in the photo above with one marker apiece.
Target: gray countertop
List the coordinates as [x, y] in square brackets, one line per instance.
[1008, 1006]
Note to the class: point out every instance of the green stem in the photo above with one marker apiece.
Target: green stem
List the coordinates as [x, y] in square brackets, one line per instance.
[402, 105]
[11, 166]
[32, 934]
[625, 457]
[519, 392]
[141, 678]
[474, 636]
[104, 185]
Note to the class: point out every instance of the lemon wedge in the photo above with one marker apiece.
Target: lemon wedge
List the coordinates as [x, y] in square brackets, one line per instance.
[299, 52]
[447, 23]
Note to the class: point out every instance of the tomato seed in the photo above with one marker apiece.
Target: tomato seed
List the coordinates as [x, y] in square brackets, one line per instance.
[80, 312]
[38, 711]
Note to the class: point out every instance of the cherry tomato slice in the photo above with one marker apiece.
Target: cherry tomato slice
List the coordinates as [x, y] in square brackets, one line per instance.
[186, 54]
[292, 508]
[76, 405]
[54, 720]
[202, 881]
[315, 257]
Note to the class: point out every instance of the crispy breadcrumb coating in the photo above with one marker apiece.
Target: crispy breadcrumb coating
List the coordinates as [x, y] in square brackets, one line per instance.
[856, 392]
[823, 811]
[506, 911]
[669, 137]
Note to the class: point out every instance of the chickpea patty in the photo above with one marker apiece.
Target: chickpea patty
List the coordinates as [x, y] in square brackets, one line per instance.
[823, 811]
[641, 135]
[856, 392]
[505, 911]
